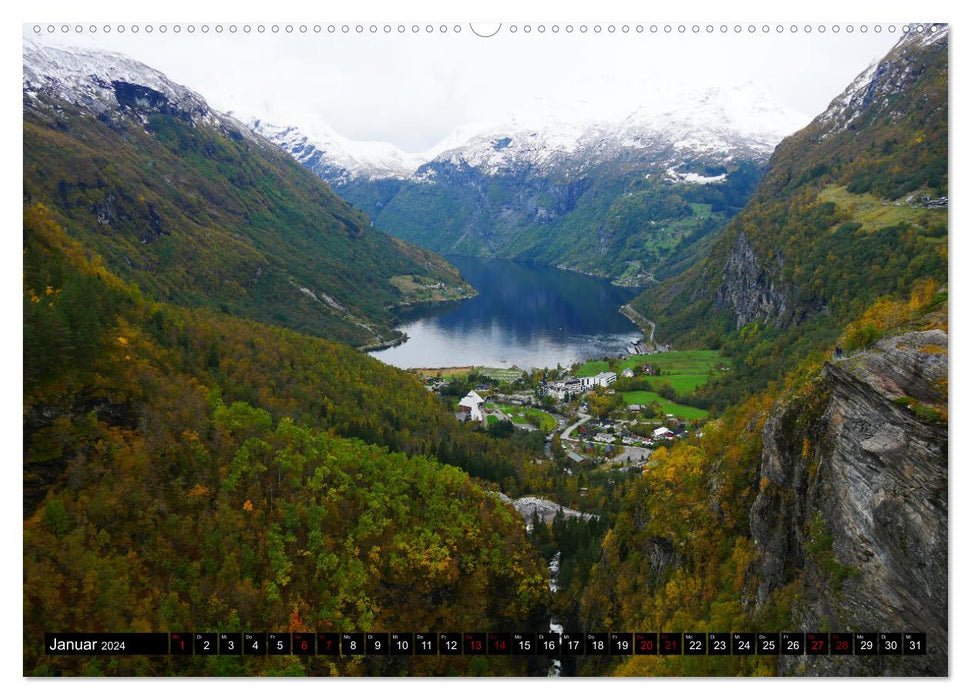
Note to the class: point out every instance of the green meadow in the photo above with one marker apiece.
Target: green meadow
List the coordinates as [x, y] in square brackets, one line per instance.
[675, 409]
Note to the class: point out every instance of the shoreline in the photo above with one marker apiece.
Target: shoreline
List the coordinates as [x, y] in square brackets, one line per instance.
[403, 337]
[459, 369]
[440, 371]
[384, 344]
[418, 303]
[639, 320]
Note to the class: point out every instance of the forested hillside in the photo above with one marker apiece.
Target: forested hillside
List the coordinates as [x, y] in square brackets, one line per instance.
[630, 221]
[189, 470]
[635, 197]
[196, 210]
[204, 450]
[819, 500]
[820, 505]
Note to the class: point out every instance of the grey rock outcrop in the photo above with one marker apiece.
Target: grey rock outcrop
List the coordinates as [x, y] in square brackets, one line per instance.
[530, 506]
[853, 503]
[748, 290]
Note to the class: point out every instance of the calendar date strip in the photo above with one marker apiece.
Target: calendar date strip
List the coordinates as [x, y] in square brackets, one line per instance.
[485, 643]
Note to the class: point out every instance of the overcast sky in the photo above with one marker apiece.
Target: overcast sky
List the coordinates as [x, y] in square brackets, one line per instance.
[412, 90]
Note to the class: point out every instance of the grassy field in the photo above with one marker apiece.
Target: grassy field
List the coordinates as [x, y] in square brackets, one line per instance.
[682, 383]
[873, 213]
[418, 289]
[679, 361]
[686, 370]
[500, 373]
[675, 409]
[446, 373]
[592, 367]
[517, 414]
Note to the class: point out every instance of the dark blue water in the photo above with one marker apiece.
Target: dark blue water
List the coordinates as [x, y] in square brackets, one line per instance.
[524, 315]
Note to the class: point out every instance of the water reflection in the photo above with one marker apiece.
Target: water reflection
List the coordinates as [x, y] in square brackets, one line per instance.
[525, 315]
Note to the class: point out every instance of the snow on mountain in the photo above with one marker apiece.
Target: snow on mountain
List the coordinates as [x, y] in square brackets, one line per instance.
[320, 147]
[102, 81]
[717, 121]
[739, 121]
[743, 120]
[694, 178]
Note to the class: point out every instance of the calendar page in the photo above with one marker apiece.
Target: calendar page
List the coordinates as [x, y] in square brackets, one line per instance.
[446, 348]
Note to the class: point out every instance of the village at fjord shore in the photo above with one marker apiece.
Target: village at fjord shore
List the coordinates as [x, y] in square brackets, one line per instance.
[610, 412]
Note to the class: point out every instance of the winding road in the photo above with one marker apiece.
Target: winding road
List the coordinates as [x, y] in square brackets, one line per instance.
[583, 419]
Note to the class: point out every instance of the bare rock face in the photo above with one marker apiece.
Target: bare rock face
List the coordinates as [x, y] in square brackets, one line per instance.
[853, 503]
[748, 290]
[530, 506]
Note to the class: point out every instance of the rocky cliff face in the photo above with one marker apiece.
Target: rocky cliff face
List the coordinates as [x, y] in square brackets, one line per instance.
[747, 289]
[885, 137]
[852, 507]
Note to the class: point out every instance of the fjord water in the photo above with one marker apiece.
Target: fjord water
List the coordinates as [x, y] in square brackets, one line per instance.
[524, 315]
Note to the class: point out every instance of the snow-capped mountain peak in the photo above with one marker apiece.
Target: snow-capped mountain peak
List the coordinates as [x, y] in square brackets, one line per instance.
[880, 79]
[101, 81]
[318, 144]
[719, 119]
[542, 137]
[715, 121]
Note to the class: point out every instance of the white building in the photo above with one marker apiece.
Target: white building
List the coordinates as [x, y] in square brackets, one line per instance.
[662, 434]
[576, 384]
[473, 402]
[605, 378]
[570, 386]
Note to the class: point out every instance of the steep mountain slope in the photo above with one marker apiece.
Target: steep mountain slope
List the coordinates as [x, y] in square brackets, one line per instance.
[820, 503]
[195, 209]
[187, 470]
[78, 315]
[818, 506]
[629, 198]
[838, 220]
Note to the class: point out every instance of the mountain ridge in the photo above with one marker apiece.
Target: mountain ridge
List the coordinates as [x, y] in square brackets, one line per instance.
[196, 209]
[634, 197]
[837, 220]
[725, 117]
